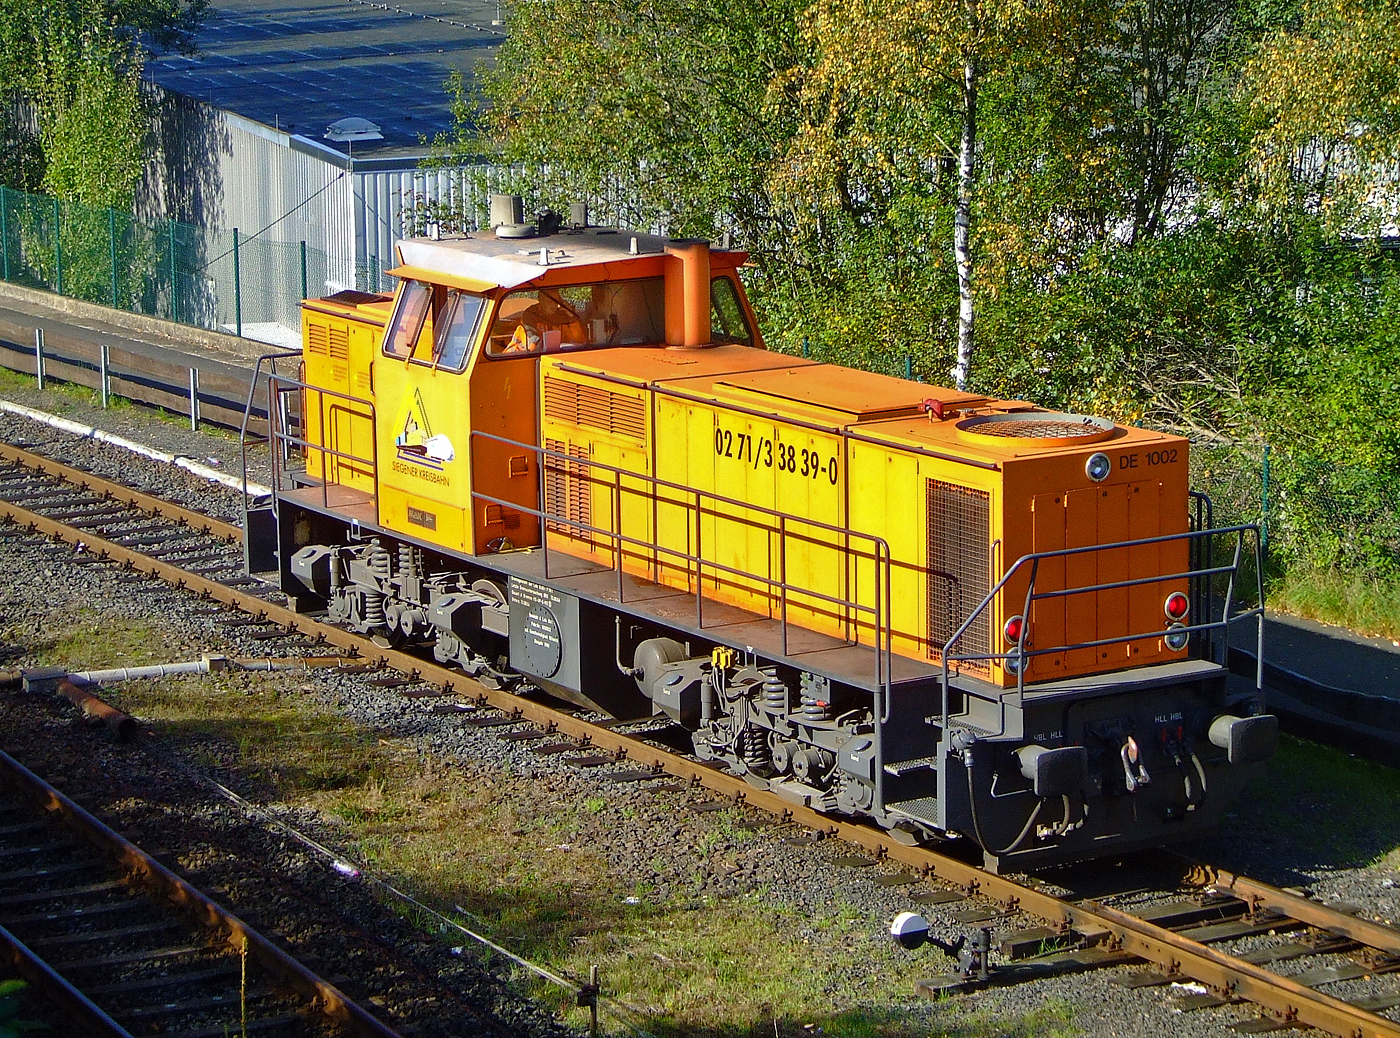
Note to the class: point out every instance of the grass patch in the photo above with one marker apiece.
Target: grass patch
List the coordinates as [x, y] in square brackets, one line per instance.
[1369, 605]
[64, 395]
[1346, 809]
[525, 861]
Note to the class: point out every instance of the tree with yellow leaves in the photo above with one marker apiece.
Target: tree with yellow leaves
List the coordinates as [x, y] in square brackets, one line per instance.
[1326, 95]
[890, 107]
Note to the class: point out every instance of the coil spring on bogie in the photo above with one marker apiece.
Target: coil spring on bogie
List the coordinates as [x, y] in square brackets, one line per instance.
[374, 609]
[408, 560]
[378, 559]
[813, 709]
[380, 563]
[816, 699]
[753, 748]
[775, 692]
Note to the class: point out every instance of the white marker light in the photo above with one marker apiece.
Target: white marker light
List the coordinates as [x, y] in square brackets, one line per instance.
[910, 929]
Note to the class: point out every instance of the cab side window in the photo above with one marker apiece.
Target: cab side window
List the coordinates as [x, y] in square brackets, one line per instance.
[572, 317]
[406, 326]
[728, 322]
[457, 330]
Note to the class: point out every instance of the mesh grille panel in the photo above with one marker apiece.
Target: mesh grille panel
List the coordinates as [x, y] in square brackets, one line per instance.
[959, 575]
[1037, 430]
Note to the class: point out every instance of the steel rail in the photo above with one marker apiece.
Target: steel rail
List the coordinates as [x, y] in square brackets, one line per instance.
[1295, 906]
[146, 502]
[154, 877]
[69, 1000]
[1094, 924]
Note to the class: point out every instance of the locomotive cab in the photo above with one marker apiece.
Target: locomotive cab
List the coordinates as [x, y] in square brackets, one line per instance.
[568, 462]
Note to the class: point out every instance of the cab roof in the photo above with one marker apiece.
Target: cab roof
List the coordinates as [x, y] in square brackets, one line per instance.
[481, 261]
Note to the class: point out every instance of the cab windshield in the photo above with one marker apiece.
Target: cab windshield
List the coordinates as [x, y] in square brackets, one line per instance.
[434, 325]
[570, 317]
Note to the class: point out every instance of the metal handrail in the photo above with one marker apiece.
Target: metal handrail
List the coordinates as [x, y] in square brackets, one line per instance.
[1034, 559]
[879, 554]
[272, 359]
[279, 386]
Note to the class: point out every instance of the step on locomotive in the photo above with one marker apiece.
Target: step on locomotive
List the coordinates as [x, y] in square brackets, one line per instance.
[560, 457]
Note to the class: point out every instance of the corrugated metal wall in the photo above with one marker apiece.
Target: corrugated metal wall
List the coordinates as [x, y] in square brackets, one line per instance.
[219, 171]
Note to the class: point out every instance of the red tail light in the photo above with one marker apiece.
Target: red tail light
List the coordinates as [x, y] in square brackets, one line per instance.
[1012, 630]
[1177, 606]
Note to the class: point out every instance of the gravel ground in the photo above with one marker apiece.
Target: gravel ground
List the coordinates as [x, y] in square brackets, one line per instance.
[648, 837]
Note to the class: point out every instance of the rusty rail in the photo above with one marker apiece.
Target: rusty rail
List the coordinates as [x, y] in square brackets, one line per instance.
[124, 495]
[147, 873]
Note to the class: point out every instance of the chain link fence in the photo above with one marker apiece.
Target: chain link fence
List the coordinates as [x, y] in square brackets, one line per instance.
[1314, 514]
[211, 278]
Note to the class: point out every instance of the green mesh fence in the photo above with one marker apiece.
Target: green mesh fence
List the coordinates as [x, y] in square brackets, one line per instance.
[210, 278]
[1316, 514]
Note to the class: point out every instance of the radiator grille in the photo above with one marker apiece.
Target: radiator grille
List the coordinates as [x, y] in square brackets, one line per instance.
[595, 408]
[959, 576]
[339, 343]
[316, 339]
[567, 491]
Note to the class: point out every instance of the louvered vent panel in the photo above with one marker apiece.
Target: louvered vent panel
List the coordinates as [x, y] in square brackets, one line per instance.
[339, 343]
[316, 339]
[629, 417]
[580, 493]
[568, 494]
[556, 492]
[560, 401]
[959, 573]
[594, 408]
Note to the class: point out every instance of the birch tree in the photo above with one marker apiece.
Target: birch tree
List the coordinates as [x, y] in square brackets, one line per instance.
[890, 108]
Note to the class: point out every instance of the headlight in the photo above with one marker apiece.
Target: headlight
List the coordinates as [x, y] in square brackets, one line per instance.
[1176, 637]
[1098, 467]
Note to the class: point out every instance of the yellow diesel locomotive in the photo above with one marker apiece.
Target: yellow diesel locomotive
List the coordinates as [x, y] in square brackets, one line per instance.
[561, 458]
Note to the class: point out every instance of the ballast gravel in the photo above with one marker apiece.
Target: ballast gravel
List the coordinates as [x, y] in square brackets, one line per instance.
[668, 850]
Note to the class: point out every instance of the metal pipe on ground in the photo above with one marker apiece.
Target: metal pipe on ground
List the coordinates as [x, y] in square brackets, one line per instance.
[98, 712]
[158, 670]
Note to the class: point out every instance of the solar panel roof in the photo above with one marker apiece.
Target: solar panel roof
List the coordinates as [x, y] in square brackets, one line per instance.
[301, 65]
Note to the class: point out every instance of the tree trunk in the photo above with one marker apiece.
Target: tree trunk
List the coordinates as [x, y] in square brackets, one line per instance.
[962, 219]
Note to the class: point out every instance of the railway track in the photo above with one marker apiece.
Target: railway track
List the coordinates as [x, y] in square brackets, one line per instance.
[123, 946]
[1180, 941]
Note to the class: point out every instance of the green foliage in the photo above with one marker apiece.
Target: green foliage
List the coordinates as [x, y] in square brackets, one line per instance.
[92, 119]
[77, 65]
[11, 1026]
[1174, 217]
[663, 104]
